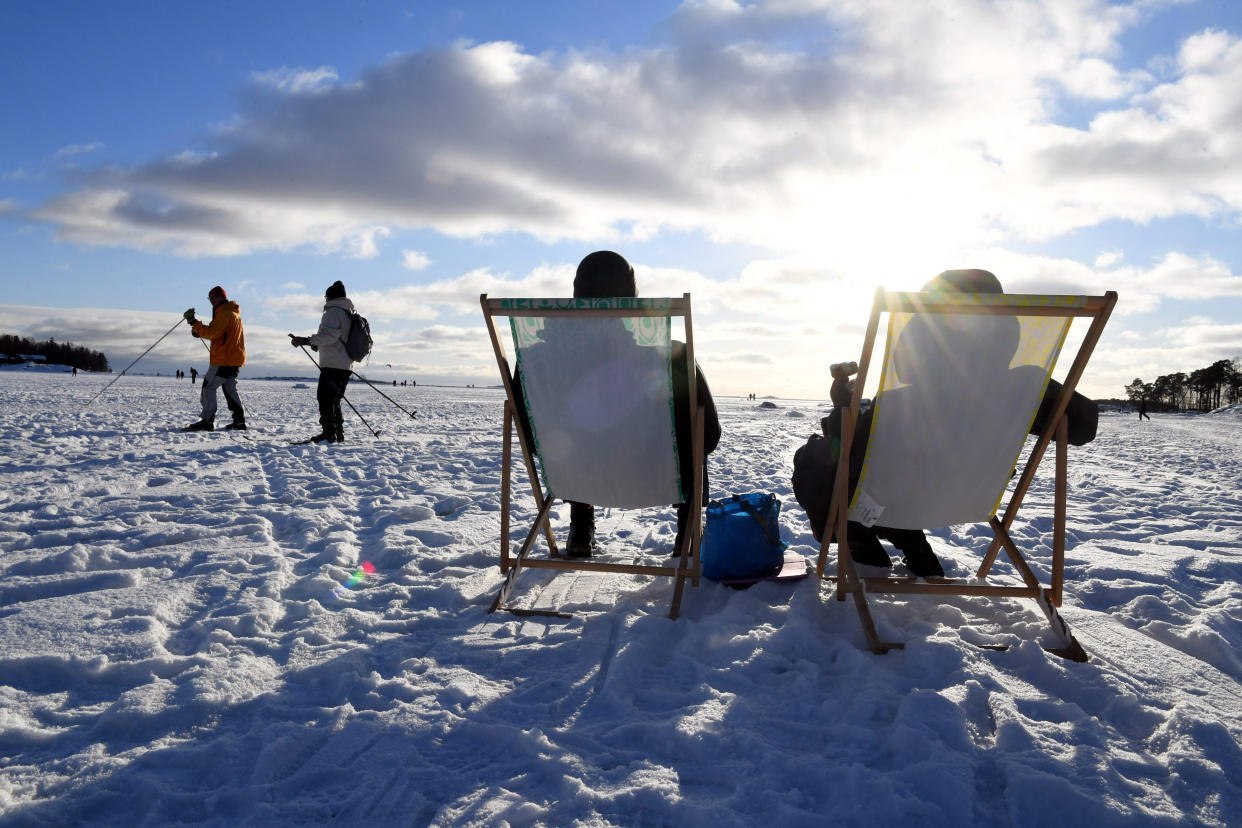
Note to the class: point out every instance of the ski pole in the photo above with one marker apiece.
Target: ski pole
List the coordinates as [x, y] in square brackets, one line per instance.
[343, 397]
[135, 362]
[382, 394]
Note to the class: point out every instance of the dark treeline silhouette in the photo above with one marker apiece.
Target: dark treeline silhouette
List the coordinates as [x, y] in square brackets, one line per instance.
[55, 353]
[1203, 390]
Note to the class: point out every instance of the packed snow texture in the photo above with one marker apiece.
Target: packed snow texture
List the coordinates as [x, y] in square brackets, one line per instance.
[190, 634]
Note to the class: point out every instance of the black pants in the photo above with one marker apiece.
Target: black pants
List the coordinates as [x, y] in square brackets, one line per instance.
[865, 541]
[916, 551]
[331, 391]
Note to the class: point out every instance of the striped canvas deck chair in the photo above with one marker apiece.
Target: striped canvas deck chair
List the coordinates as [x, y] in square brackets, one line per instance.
[962, 379]
[597, 391]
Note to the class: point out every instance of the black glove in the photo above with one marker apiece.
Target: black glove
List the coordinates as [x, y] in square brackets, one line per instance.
[298, 341]
[189, 316]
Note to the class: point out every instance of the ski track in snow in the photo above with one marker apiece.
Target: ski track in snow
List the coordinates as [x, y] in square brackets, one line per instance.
[177, 646]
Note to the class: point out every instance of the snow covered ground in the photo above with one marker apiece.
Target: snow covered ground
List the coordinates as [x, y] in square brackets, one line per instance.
[188, 633]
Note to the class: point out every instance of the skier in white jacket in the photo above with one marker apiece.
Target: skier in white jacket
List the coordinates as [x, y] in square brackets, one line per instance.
[334, 362]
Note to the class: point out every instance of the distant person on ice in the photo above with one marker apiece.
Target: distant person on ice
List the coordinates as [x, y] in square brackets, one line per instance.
[334, 362]
[1143, 409]
[228, 355]
[193, 375]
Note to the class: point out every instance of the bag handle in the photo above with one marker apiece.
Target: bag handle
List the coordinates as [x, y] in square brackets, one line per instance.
[774, 536]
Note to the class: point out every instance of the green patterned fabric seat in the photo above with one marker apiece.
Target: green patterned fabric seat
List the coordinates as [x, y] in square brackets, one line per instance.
[593, 379]
[598, 393]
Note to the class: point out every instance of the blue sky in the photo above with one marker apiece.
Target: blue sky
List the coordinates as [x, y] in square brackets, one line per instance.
[778, 160]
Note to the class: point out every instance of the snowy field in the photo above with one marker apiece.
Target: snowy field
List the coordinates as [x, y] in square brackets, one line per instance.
[191, 633]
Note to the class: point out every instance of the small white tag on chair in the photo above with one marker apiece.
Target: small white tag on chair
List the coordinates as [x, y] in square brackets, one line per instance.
[865, 510]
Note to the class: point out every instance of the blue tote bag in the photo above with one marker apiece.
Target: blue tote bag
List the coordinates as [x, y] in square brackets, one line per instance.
[742, 537]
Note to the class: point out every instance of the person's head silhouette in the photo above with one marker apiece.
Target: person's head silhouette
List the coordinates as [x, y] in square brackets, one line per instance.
[603, 275]
[947, 346]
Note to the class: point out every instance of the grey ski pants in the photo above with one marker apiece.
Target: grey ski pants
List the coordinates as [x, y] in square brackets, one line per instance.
[217, 376]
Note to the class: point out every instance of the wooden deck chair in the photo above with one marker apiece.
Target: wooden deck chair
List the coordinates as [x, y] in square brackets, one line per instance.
[962, 380]
[597, 390]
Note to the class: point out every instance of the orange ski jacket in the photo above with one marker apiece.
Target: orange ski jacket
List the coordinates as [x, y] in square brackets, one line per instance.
[228, 340]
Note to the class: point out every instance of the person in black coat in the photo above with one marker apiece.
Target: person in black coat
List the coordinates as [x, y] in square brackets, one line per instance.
[605, 274]
[815, 464]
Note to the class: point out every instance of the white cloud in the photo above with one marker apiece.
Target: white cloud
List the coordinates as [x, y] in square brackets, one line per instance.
[414, 260]
[1098, 79]
[297, 81]
[150, 219]
[1172, 151]
[407, 303]
[1178, 277]
[875, 129]
[441, 335]
[361, 242]
[1204, 51]
[1196, 344]
[1108, 258]
[75, 150]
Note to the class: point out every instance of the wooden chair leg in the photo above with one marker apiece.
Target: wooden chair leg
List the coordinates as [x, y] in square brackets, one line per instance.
[688, 566]
[1015, 556]
[506, 458]
[511, 579]
[675, 609]
[1058, 512]
[1070, 648]
[849, 581]
[868, 624]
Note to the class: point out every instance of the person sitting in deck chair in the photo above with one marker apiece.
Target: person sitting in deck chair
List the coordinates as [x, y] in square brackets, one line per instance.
[600, 275]
[815, 463]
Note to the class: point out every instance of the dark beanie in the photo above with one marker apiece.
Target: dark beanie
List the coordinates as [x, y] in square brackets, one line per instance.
[1005, 331]
[217, 294]
[966, 281]
[336, 290]
[604, 274]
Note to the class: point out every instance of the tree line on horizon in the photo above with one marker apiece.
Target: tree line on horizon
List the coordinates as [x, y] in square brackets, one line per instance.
[1203, 390]
[55, 353]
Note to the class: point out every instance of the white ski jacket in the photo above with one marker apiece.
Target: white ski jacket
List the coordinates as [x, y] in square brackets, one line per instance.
[332, 333]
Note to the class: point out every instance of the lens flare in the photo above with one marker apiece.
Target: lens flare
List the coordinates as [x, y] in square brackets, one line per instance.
[360, 574]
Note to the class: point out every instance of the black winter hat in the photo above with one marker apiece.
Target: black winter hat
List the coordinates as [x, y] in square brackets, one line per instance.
[604, 274]
[971, 280]
[913, 351]
[336, 290]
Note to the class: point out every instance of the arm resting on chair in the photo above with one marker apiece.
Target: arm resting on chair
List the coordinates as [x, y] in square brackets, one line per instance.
[1082, 415]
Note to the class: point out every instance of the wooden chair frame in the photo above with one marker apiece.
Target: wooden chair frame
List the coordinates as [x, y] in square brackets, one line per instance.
[687, 565]
[1097, 309]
